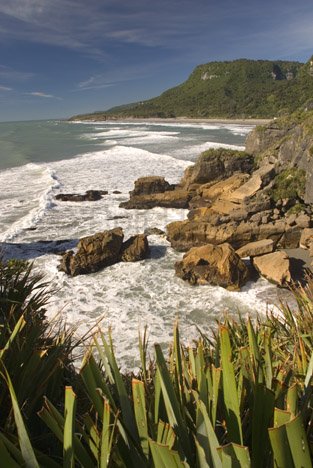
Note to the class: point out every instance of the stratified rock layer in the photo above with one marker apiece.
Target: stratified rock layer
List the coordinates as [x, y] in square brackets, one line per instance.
[211, 264]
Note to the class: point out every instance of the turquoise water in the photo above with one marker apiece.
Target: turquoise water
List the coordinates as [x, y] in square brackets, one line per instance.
[47, 141]
[41, 159]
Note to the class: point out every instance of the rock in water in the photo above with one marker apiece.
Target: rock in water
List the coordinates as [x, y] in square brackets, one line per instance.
[149, 185]
[90, 195]
[275, 267]
[94, 253]
[213, 264]
[135, 248]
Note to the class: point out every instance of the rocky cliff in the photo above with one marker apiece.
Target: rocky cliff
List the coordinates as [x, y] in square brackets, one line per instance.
[288, 144]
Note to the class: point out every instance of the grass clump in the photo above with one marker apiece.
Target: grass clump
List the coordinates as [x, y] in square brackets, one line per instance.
[289, 183]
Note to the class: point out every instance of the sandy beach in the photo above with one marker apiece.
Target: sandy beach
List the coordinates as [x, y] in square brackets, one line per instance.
[186, 120]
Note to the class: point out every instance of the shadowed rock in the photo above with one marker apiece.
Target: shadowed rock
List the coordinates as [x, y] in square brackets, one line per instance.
[135, 248]
[216, 265]
[90, 195]
[275, 267]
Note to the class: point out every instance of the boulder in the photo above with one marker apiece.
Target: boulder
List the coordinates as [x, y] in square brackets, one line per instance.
[304, 221]
[211, 264]
[258, 180]
[254, 249]
[149, 185]
[215, 165]
[90, 195]
[306, 239]
[135, 248]
[275, 267]
[94, 253]
[172, 199]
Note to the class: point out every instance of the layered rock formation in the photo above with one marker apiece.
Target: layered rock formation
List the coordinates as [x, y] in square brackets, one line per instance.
[287, 143]
[103, 249]
[211, 264]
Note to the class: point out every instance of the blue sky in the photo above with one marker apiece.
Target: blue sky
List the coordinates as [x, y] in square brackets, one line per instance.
[63, 57]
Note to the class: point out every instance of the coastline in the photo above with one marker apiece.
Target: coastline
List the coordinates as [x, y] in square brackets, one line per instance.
[179, 120]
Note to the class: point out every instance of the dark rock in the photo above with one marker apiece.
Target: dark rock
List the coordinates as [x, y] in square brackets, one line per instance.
[149, 185]
[153, 231]
[94, 253]
[116, 192]
[135, 248]
[90, 195]
[211, 264]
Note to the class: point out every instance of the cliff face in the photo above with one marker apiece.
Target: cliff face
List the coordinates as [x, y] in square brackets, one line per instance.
[287, 143]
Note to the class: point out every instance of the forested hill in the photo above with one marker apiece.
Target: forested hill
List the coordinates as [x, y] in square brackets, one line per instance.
[241, 88]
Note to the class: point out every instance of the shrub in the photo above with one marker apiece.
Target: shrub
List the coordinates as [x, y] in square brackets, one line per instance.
[290, 183]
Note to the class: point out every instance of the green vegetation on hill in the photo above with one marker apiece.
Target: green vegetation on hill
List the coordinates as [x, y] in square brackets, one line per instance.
[241, 88]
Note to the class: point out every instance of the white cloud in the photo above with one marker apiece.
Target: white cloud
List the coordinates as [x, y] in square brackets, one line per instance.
[5, 88]
[42, 95]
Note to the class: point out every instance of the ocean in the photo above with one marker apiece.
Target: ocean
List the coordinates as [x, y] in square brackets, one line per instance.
[41, 159]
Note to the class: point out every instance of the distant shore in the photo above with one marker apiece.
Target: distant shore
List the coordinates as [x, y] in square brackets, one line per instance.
[183, 120]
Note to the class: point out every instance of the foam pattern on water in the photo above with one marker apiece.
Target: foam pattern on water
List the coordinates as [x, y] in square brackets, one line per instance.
[125, 296]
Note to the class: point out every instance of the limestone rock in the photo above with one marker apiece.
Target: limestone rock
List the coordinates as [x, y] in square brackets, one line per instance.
[211, 264]
[149, 185]
[303, 221]
[254, 249]
[171, 199]
[274, 266]
[259, 179]
[186, 234]
[223, 188]
[214, 165]
[306, 239]
[135, 248]
[94, 253]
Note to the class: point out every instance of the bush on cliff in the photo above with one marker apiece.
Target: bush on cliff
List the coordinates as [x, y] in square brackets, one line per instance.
[290, 183]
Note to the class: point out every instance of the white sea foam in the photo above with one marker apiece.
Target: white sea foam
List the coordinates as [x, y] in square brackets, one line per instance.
[125, 296]
[35, 184]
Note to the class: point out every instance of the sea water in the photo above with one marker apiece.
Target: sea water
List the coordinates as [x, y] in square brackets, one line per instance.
[41, 159]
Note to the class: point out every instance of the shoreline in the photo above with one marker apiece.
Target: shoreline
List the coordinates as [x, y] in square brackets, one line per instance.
[181, 120]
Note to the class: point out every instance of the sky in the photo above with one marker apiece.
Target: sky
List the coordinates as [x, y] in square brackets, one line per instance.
[64, 57]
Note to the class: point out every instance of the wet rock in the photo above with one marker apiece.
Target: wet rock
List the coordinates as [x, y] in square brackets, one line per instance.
[90, 195]
[211, 264]
[94, 253]
[135, 248]
[275, 267]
